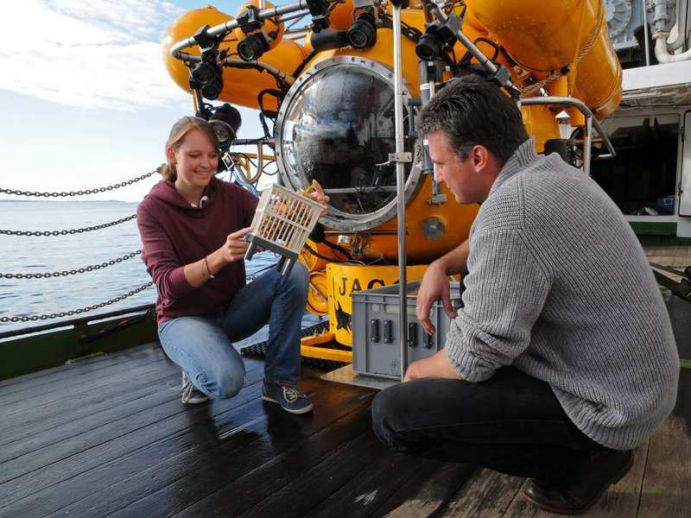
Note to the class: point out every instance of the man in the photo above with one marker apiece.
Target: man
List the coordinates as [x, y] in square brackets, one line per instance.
[562, 359]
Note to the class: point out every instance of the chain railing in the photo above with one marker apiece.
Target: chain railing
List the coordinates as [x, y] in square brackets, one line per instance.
[46, 233]
[65, 273]
[67, 194]
[75, 271]
[63, 314]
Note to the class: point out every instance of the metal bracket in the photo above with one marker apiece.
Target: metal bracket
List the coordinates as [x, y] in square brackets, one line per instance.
[403, 157]
[437, 199]
[397, 158]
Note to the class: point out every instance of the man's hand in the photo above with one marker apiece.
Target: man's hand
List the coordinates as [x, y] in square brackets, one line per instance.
[434, 286]
[235, 246]
[436, 366]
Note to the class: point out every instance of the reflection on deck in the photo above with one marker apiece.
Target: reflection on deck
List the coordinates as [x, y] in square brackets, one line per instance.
[109, 436]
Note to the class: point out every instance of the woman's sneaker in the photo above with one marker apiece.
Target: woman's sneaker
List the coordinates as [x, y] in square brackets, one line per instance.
[191, 395]
[288, 397]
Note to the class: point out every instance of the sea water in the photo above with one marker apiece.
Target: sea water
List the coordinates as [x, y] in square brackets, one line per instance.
[21, 254]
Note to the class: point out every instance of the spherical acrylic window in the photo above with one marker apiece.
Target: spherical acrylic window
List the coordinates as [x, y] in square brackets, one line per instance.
[338, 128]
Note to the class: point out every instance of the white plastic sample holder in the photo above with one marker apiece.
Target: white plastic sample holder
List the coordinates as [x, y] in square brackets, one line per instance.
[282, 223]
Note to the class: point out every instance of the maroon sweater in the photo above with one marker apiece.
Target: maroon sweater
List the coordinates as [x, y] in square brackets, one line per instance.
[175, 234]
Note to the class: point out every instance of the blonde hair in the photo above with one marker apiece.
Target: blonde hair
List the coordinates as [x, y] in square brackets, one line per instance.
[177, 134]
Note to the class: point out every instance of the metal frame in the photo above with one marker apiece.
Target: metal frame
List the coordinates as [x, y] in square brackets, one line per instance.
[225, 28]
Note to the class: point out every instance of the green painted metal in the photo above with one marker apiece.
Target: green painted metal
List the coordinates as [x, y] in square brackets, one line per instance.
[650, 240]
[40, 351]
[650, 228]
[685, 364]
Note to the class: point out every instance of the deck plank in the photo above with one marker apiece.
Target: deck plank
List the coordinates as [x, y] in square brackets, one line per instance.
[239, 494]
[256, 441]
[58, 419]
[96, 471]
[55, 376]
[428, 494]
[78, 391]
[65, 420]
[621, 500]
[379, 475]
[45, 467]
[487, 493]
[667, 481]
[63, 426]
[680, 314]
[353, 481]
[39, 426]
[86, 363]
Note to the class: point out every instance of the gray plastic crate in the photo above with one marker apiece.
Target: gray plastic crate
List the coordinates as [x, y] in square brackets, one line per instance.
[376, 346]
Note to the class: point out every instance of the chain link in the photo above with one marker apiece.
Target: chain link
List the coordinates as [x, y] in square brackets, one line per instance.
[62, 314]
[90, 268]
[44, 233]
[65, 194]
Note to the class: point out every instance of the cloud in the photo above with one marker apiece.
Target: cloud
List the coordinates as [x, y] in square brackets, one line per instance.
[96, 54]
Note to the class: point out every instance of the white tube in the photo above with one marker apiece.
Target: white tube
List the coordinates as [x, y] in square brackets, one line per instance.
[663, 55]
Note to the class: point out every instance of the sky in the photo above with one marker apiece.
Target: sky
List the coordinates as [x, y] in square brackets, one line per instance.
[85, 100]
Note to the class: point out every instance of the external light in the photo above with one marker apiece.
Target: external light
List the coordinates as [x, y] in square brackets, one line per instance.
[363, 32]
[437, 38]
[225, 121]
[253, 46]
[564, 123]
[255, 34]
[207, 76]
[428, 47]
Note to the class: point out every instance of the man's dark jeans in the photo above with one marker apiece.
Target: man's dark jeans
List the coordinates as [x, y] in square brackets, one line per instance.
[511, 423]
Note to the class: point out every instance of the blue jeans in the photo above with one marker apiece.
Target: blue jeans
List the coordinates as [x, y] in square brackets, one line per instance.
[203, 345]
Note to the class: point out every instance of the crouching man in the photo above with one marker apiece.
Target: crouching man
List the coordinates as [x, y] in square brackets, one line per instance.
[562, 359]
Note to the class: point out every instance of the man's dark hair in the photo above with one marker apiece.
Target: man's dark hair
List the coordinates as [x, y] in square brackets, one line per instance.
[471, 110]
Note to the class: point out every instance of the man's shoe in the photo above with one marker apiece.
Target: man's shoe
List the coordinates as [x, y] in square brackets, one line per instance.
[288, 397]
[600, 471]
[191, 395]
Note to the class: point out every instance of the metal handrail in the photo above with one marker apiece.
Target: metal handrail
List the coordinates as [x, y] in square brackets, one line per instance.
[591, 121]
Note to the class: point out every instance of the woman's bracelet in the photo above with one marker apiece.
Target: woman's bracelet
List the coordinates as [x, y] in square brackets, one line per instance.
[208, 270]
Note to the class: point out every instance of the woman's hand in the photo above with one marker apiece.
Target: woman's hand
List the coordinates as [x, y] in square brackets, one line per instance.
[232, 250]
[316, 193]
[235, 246]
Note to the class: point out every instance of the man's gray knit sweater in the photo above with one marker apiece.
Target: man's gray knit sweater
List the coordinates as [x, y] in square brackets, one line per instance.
[559, 286]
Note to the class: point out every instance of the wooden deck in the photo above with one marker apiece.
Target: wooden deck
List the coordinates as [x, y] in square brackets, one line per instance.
[108, 436]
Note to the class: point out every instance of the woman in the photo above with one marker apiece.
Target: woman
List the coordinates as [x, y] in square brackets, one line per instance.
[192, 227]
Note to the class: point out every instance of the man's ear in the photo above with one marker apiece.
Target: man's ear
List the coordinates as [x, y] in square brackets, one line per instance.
[480, 157]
